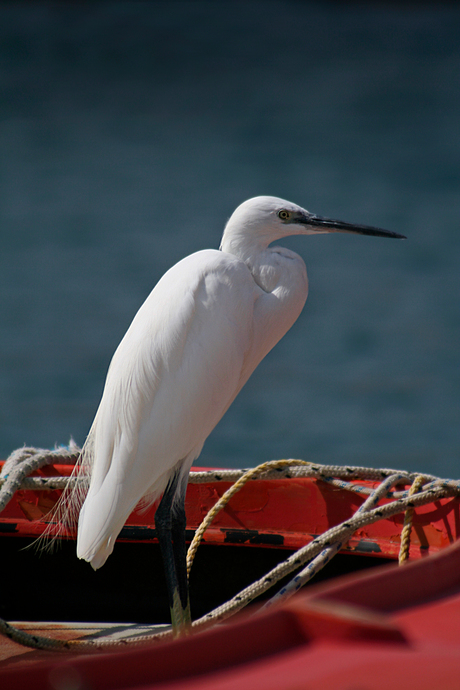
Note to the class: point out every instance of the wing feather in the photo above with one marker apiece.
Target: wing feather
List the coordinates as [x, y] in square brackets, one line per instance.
[170, 381]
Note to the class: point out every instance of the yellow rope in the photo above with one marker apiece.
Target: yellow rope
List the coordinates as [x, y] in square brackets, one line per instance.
[408, 517]
[224, 499]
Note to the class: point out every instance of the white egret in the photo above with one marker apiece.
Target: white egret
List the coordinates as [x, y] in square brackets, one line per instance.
[191, 347]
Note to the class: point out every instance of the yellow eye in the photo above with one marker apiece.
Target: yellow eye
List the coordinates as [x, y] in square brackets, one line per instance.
[284, 215]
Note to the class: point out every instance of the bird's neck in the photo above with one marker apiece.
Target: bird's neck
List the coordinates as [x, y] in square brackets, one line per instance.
[252, 250]
[243, 244]
[271, 267]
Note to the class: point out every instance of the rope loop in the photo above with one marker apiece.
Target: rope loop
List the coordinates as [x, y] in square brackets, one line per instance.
[225, 498]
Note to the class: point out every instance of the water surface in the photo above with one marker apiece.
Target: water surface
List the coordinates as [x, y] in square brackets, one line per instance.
[130, 131]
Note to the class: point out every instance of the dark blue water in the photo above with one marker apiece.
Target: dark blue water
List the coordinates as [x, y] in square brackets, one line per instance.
[130, 131]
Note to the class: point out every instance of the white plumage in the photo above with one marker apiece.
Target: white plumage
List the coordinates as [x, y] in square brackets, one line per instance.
[193, 344]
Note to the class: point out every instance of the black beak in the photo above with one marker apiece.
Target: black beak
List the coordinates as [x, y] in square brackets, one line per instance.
[329, 225]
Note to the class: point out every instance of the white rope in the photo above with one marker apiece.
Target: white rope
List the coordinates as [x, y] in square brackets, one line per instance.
[329, 552]
[24, 461]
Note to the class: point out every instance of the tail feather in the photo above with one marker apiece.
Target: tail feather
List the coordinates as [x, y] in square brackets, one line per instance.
[62, 521]
[101, 519]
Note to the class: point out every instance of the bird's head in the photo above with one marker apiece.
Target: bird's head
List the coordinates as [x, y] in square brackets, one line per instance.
[264, 219]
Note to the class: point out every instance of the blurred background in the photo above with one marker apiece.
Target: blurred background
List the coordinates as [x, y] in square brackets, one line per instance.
[129, 133]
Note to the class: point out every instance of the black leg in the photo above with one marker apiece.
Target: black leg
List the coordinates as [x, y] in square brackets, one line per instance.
[170, 528]
[180, 551]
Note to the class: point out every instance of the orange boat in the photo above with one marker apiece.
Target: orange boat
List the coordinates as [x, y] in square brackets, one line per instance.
[369, 628]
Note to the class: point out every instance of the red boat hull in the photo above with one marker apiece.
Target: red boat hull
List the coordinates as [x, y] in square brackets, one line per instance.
[280, 513]
[393, 626]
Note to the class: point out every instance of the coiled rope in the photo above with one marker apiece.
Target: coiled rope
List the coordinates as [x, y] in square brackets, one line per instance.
[425, 489]
[408, 518]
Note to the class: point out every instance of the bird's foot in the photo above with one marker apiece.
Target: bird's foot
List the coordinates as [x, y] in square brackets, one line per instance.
[181, 619]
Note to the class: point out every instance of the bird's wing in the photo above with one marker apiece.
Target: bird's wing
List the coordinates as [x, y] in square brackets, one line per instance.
[170, 381]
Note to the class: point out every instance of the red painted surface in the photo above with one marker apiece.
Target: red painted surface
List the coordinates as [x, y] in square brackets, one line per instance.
[286, 513]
